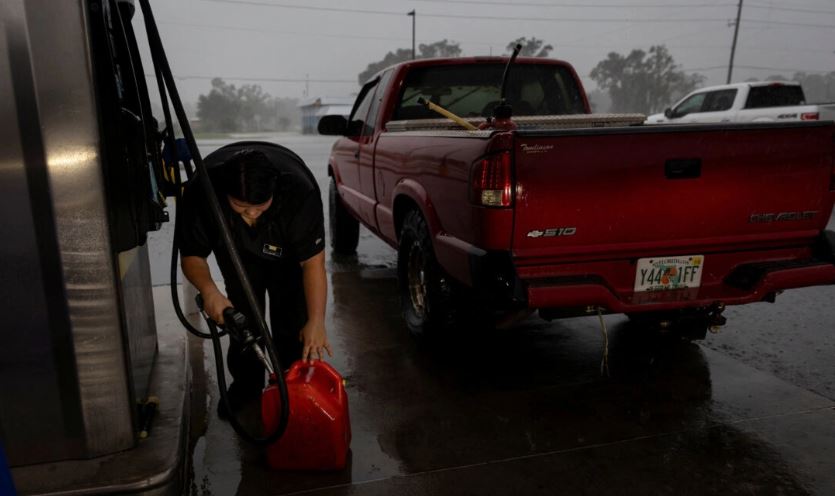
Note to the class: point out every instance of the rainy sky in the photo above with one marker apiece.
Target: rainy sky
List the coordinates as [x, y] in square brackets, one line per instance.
[312, 48]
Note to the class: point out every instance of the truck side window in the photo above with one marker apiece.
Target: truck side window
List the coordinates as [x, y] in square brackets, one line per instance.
[775, 95]
[690, 105]
[718, 101]
[376, 102]
[358, 121]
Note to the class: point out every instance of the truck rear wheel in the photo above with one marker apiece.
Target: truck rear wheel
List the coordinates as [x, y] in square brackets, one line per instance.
[426, 292]
[344, 228]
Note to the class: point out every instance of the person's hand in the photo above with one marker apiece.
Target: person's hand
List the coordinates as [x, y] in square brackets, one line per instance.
[315, 341]
[214, 304]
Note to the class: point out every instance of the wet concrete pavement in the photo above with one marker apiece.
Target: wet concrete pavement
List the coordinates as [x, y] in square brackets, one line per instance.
[527, 411]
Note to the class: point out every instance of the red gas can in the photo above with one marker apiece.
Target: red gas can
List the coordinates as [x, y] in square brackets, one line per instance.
[318, 431]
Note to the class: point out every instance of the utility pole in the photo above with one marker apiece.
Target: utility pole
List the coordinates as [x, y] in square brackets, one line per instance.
[412, 13]
[733, 47]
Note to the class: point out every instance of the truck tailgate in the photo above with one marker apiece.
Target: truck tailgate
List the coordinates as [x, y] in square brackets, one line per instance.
[669, 190]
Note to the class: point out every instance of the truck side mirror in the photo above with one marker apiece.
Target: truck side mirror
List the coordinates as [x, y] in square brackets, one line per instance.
[333, 125]
[668, 113]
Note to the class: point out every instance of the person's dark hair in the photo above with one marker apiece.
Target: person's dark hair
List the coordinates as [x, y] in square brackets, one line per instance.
[249, 176]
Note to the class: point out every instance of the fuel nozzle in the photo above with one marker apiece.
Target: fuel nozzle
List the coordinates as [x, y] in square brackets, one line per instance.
[237, 326]
[236, 323]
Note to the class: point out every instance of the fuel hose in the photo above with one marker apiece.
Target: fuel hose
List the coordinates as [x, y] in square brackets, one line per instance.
[173, 160]
[201, 176]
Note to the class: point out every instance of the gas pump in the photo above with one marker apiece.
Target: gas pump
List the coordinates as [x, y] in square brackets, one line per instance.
[83, 181]
[78, 196]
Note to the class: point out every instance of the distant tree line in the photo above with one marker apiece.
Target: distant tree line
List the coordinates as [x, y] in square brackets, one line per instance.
[646, 82]
[227, 108]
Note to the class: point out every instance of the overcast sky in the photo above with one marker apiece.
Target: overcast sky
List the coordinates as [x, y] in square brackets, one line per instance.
[279, 44]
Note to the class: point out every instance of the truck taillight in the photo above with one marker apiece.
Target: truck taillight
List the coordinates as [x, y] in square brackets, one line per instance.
[491, 181]
[809, 116]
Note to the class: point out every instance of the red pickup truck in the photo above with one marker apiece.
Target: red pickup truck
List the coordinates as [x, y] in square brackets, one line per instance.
[572, 213]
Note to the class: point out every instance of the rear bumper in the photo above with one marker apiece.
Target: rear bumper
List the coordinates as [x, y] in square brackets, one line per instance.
[736, 279]
[556, 293]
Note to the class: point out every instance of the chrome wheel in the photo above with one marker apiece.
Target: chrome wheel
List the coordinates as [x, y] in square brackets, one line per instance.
[417, 280]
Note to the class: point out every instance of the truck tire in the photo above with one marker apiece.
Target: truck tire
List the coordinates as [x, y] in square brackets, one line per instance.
[427, 293]
[344, 228]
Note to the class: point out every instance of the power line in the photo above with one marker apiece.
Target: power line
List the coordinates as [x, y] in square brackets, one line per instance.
[754, 68]
[783, 69]
[755, 5]
[790, 23]
[789, 9]
[803, 2]
[569, 43]
[282, 32]
[468, 16]
[691, 33]
[581, 5]
[308, 7]
[510, 18]
[761, 5]
[270, 80]
[758, 48]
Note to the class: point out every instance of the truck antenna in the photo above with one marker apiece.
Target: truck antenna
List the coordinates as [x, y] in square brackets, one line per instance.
[503, 110]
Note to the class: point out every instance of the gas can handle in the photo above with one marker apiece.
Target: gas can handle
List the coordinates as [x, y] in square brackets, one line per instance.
[294, 369]
[334, 376]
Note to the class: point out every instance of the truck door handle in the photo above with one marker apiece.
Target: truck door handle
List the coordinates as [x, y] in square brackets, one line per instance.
[690, 168]
[357, 154]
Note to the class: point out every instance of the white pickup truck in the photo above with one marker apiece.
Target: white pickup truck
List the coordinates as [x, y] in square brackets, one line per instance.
[745, 102]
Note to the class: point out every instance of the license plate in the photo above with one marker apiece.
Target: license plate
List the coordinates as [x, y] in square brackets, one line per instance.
[668, 273]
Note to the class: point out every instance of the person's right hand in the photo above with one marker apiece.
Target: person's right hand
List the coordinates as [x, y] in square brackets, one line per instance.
[214, 304]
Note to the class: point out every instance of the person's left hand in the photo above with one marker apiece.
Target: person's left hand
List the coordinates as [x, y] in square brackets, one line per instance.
[315, 341]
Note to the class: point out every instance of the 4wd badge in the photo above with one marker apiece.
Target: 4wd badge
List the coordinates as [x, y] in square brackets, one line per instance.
[552, 232]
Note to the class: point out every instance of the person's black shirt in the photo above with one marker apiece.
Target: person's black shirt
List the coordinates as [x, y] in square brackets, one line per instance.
[290, 231]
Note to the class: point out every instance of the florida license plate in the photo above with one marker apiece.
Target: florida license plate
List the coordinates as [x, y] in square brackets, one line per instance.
[669, 273]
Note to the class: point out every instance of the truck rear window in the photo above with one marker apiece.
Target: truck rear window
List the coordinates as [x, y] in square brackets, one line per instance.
[472, 90]
[777, 95]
